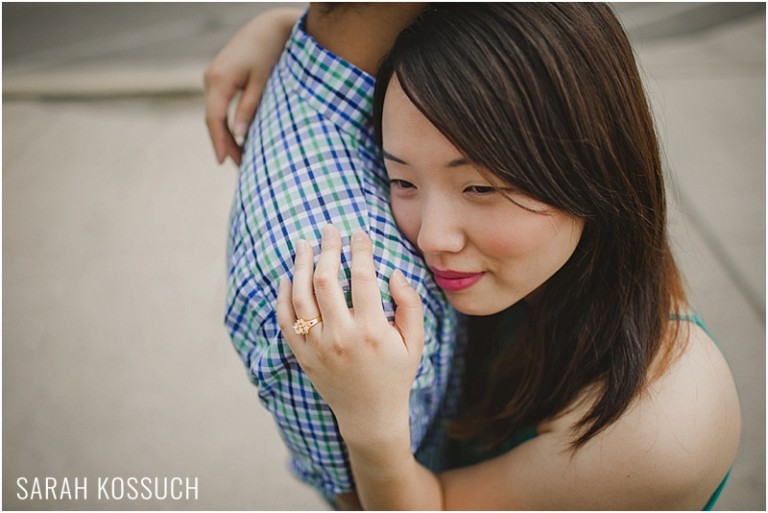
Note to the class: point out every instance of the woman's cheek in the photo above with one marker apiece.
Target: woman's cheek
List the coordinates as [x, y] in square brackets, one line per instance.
[510, 235]
[407, 220]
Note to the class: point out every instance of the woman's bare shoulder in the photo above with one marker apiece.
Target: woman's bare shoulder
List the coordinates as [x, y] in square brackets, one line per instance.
[697, 389]
[669, 450]
[678, 438]
[693, 411]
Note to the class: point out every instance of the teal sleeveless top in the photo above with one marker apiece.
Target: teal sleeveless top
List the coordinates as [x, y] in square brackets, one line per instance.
[469, 451]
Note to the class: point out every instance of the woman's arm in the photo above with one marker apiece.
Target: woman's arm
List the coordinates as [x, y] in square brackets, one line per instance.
[244, 64]
[388, 477]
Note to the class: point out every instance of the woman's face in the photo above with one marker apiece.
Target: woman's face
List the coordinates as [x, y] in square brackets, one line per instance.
[485, 251]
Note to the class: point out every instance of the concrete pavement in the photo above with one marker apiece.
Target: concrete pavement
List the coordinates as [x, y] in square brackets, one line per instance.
[115, 360]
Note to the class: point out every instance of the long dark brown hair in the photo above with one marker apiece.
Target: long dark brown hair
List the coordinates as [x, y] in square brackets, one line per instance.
[548, 97]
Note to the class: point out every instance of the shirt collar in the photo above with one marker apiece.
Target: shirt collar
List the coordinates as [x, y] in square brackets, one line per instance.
[337, 89]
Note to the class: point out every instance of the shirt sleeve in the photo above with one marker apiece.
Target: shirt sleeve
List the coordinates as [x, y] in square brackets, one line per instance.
[258, 257]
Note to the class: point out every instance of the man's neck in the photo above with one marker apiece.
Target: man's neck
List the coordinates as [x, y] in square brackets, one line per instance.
[360, 33]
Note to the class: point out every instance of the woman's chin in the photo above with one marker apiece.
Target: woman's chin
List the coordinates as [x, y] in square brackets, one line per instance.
[479, 307]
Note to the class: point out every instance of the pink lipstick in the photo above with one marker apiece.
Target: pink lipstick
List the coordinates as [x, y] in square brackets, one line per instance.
[454, 281]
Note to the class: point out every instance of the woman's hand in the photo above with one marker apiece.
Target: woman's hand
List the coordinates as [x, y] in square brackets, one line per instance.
[362, 365]
[244, 64]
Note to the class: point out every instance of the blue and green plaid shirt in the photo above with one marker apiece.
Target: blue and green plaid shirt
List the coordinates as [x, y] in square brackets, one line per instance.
[311, 159]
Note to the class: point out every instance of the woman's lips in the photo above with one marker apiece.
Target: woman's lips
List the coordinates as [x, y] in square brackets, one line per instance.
[455, 281]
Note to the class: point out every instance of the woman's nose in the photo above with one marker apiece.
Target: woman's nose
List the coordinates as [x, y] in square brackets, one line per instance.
[440, 230]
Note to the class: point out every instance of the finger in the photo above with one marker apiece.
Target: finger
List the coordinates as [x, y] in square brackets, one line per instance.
[246, 107]
[232, 149]
[409, 312]
[303, 296]
[330, 297]
[366, 296]
[217, 101]
[225, 144]
[286, 317]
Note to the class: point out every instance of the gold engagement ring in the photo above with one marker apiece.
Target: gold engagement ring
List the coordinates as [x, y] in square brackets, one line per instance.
[302, 326]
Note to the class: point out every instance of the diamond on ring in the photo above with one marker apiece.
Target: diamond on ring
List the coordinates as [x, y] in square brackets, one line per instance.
[302, 326]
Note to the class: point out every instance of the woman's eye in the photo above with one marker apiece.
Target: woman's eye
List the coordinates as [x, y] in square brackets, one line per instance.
[401, 184]
[481, 190]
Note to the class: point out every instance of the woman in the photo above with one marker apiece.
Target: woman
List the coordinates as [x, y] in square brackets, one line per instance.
[524, 167]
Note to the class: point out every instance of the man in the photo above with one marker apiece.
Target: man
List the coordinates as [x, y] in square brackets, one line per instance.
[311, 159]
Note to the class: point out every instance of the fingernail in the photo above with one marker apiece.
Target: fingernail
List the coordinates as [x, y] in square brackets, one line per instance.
[359, 235]
[301, 247]
[398, 277]
[328, 230]
[241, 128]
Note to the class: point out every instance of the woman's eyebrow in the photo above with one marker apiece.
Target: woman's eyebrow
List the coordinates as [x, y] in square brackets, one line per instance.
[389, 156]
[461, 161]
[457, 162]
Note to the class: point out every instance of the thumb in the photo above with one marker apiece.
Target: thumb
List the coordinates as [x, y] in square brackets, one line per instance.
[409, 315]
[247, 105]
